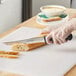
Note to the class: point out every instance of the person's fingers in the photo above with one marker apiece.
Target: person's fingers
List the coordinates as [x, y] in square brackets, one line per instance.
[60, 41]
[48, 39]
[55, 41]
[54, 37]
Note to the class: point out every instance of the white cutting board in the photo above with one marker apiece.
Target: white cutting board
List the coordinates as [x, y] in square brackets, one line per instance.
[50, 60]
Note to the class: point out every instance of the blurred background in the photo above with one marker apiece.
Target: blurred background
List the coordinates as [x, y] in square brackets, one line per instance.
[13, 12]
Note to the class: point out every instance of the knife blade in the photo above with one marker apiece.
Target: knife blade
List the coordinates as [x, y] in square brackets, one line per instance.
[28, 41]
[35, 40]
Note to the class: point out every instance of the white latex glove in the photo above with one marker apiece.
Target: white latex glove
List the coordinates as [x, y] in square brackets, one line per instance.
[60, 34]
[49, 28]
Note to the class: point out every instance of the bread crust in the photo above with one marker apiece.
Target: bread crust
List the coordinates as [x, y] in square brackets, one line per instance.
[35, 45]
[51, 19]
[8, 54]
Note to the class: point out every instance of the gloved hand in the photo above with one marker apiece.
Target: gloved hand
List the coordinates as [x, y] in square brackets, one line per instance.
[49, 29]
[60, 34]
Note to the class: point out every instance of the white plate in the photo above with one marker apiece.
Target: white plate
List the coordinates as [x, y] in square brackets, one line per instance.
[39, 21]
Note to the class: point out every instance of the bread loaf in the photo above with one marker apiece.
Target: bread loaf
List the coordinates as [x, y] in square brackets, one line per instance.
[26, 47]
[12, 54]
[9, 52]
[8, 56]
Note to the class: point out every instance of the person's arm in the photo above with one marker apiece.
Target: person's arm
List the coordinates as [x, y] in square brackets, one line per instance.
[60, 34]
[49, 29]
